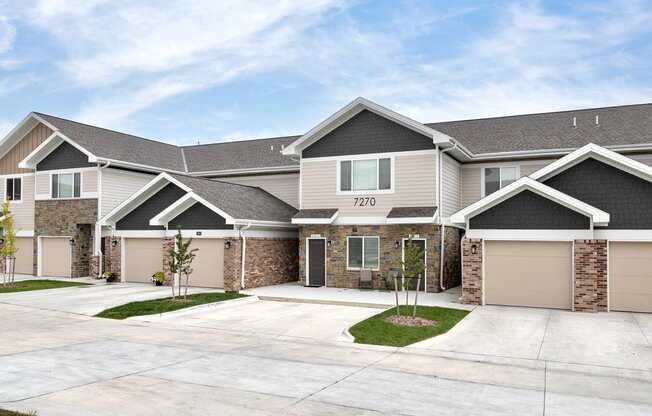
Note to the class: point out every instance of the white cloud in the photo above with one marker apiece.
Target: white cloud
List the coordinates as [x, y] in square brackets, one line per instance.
[135, 54]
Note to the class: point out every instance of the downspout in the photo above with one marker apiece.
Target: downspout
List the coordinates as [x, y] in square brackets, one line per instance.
[98, 226]
[442, 231]
[244, 254]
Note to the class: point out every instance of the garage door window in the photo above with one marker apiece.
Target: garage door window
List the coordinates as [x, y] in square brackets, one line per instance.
[66, 185]
[362, 253]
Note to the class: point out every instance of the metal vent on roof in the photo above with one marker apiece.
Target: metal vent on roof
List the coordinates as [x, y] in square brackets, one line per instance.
[574, 121]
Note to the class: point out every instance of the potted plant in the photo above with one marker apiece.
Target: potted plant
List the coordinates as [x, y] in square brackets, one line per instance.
[110, 277]
[158, 278]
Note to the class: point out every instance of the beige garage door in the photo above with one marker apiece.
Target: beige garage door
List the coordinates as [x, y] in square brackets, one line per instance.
[24, 255]
[55, 256]
[630, 277]
[143, 258]
[537, 274]
[208, 265]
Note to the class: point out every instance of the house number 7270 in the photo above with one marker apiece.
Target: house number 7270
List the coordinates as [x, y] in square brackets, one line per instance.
[364, 201]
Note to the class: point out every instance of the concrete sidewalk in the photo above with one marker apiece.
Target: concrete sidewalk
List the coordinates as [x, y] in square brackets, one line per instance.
[294, 292]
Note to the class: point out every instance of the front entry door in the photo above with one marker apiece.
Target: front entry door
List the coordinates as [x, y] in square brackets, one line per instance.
[316, 262]
[413, 282]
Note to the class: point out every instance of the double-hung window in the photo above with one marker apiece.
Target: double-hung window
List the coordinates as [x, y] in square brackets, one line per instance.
[498, 177]
[365, 175]
[66, 185]
[363, 253]
[14, 189]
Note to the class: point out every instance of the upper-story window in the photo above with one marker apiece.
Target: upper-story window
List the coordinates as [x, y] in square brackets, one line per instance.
[498, 177]
[365, 175]
[66, 185]
[14, 189]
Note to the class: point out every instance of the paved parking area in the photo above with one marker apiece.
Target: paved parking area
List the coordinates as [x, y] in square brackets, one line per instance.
[271, 358]
[614, 339]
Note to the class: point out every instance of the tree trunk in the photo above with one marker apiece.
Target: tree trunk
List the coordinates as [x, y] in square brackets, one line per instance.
[398, 310]
[416, 296]
[185, 292]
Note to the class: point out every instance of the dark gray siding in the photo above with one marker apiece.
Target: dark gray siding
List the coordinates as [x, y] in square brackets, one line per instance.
[529, 211]
[65, 156]
[199, 217]
[368, 132]
[138, 219]
[627, 198]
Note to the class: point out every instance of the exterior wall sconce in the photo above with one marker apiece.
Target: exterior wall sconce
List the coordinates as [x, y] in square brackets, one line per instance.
[71, 241]
[2, 241]
[474, 249]
[227, 245]
[329, 243]
[114, 243]
[397, 244]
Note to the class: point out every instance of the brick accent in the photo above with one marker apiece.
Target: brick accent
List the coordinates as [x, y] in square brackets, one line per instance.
[472, 273]
[94, 266]
[590, 275]
[67, 217]
[167, 246]
[271, 261]
[113, 259]
[338, 276]
[232, 264]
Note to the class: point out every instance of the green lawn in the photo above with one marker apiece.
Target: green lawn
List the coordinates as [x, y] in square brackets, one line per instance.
[10, 413]
[40, 284]
[377, 331]
[155, 306]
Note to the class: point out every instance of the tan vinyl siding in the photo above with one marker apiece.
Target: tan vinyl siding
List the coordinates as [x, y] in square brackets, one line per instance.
[9, 162]
[527, 170]
[414, 185]
[22, 211]
[283, 186]
[451, 185]
[89, 181]
[43, 185]
[471, 187]
[118, 185]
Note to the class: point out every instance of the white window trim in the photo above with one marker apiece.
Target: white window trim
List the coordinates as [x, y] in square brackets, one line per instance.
[363, 238]
[500, 176]
[22, 189]
[81, 185]
[376, 191]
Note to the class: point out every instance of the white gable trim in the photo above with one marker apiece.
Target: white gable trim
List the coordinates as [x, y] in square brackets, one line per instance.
[48, 146]
[352, 109]
[594, 151]
[142, 195]
[184, 203]
[598, 217]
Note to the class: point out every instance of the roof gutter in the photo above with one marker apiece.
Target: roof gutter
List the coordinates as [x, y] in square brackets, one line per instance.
[244, 255]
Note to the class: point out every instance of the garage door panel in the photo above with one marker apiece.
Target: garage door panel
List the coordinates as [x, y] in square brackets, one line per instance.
[208, 264]
[143, 257]
[536, 274]
[55, 256]
[25, 255]
[630, 277]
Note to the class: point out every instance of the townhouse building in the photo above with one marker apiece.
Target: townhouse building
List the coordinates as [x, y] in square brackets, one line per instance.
[540, 210]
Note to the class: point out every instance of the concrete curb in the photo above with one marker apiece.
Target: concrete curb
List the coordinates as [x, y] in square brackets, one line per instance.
[188, 311]
[346, 336]
[325, 302]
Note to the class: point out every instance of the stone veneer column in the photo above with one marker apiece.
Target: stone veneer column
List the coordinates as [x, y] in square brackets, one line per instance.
[94, 266]
[168, 245]
[590, 263]
[232, 264]
[472, 273]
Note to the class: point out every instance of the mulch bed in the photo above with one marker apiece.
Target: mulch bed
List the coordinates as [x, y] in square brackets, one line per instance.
[409, 321]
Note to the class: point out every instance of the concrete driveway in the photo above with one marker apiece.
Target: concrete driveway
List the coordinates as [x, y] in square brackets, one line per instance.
[614, 339]
[88, 300]
[276, 358]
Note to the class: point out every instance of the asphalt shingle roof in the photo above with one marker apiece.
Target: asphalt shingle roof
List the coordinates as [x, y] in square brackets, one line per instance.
[240, 201]
[412, 212]
[262, 153]
[316, 213]
[622, 125]
[119, 146]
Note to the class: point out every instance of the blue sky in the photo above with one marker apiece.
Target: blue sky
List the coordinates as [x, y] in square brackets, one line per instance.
[192, 70]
